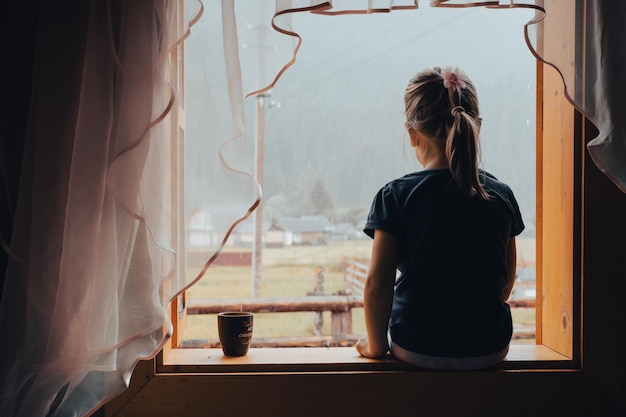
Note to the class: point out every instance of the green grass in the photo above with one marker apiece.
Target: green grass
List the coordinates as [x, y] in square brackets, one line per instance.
[286, 272]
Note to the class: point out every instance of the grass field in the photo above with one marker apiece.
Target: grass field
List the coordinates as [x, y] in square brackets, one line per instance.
[288, 271]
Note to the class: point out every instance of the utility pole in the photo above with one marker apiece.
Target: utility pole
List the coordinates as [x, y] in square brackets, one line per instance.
[259, 144]
[257, 245]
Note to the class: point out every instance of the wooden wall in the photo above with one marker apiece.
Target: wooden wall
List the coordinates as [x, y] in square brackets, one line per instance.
[389, 394]
[604, 283]
[557, 224]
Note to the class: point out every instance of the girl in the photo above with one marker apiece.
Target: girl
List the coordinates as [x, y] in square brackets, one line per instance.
[450, 231]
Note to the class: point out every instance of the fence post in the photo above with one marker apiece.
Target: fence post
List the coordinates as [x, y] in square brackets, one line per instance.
[341, 323]
[318, 320]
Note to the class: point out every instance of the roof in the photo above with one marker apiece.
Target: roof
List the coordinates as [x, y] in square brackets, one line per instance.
[247, 226]
[220, 216]
[306, 224]
[345, 228]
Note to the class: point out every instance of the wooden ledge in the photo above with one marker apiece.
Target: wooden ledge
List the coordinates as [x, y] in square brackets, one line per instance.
[334, 359]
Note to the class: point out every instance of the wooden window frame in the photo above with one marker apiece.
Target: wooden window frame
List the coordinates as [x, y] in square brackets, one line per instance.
[550, 367]
[560, 152]
[559, 190]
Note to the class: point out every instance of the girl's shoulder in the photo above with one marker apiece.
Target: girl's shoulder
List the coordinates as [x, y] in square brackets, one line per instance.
[490, 182]
[503, 195]
[417, 183]
[419, 177]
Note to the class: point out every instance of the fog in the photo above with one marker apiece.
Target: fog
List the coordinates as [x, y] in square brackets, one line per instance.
[334, 124]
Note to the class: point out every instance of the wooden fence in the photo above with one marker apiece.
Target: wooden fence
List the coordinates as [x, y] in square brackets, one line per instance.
[340, 307]
[355, 273]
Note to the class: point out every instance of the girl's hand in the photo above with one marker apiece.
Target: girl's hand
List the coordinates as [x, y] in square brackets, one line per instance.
[363, 347]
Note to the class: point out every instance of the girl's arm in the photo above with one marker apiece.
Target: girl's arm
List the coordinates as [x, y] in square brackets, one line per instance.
[378, 295]
[511, 265]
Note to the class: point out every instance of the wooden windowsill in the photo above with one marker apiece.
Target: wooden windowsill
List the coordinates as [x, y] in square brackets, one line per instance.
[334, 359]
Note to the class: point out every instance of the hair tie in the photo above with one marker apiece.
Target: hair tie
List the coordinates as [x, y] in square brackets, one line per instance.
[457, 109]
[452, 78]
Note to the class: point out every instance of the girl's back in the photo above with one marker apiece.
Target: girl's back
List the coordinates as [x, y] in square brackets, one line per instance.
[452, 256]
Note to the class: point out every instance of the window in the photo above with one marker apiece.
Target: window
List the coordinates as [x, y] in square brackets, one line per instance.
[179, 379]
[338, 114]
[384, 124]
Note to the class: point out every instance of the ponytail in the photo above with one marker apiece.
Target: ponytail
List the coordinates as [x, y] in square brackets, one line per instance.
[463, 153]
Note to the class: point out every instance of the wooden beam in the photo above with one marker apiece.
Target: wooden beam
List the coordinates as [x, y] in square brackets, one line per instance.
[396, 393]
[555, 195]
[274, 304]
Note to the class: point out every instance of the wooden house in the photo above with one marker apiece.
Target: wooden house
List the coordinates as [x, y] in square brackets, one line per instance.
[273, 236]
[306, 230]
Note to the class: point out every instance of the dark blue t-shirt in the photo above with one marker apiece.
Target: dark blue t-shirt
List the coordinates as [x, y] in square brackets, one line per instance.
[448, 298]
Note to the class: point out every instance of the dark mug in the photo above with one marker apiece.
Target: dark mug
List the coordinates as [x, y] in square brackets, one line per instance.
[235, 331]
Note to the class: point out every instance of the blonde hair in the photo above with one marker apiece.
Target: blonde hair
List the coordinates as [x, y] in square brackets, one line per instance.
[444, 105]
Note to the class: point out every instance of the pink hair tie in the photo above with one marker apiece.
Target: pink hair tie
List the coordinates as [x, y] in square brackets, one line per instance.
[451, 79]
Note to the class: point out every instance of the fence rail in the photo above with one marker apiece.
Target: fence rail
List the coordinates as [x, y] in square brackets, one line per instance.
[355, 274]
[333, 303]
[279, 342]
[340, 307]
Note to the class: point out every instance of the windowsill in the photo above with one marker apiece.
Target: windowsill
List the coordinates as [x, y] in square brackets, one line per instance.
[334, 359]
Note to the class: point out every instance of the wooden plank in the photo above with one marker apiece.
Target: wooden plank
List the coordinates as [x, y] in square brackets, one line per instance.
[340, 322]
[355, 273]
[343, 340]
[539, 193]
[142, 374]
[339, 359]
[274, 304]
[294, 304]
[556, 186]
[341, 337]
[522, 302]
[402, 393]
[357, 285]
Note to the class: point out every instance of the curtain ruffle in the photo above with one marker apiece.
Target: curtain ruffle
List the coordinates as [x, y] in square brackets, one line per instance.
[592, 83]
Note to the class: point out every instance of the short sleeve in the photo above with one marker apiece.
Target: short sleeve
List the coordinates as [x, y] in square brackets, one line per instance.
[383, 212]
[518, 224]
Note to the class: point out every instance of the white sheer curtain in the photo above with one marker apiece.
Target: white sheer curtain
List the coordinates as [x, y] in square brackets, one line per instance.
[92, 252]
[94, 244]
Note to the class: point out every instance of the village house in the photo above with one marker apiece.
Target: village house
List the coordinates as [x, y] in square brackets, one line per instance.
[200, 230]
[306, 230]
[347, 231]
[273, 236]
